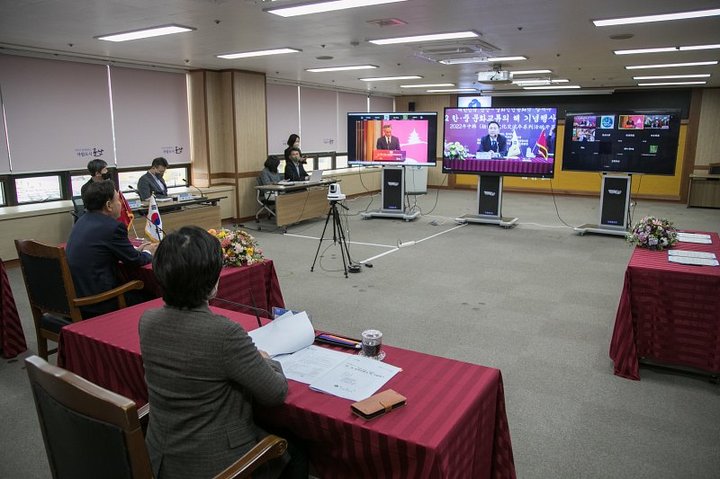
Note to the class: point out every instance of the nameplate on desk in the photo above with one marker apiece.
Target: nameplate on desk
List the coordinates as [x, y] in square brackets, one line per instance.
[185, 197]
[133, 204]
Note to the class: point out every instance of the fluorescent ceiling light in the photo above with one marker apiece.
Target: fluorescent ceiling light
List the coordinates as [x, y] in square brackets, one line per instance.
[453, 90]
[547, 93]
[340, 69]
[507, 59]
[672, 77]
[657, 18]
[258, 53]
[540, 82]
[145, 33]
[551, 87]
[671, 65]
[461, 61]
[427, 85]
[425, 38]
[530, 72]
[667, 49]
[401, 77]
[322, 7]
[671, 83]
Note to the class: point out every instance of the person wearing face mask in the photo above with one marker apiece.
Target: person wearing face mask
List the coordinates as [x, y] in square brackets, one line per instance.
[294, 170]
[152, 183]
[99, 172]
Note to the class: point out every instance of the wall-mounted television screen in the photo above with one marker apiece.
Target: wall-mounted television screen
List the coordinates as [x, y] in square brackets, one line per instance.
[500, 141]
[474, 101]
[632, 141]
[392, 138]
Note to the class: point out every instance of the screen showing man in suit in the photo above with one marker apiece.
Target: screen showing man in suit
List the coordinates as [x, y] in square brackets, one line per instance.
[494, 142]
[387, 141]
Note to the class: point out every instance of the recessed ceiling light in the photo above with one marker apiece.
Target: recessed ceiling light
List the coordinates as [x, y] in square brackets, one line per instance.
[322, 7]
[551, 87]
[672, 77]
[671, 65]
[462, 61]
[530, 72]
[673, 83]
[425, 38]
[145, 33]
[453, 90]
[540, 82]
[340, 69]
[427, 85]
[258, 53]
[667, 49]
[657, 18]
[547, 93]
[401, 77]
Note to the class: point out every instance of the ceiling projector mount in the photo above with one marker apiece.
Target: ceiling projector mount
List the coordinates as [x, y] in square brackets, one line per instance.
[497, 75]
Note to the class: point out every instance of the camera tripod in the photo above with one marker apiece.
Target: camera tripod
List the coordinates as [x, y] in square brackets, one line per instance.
[338, 237]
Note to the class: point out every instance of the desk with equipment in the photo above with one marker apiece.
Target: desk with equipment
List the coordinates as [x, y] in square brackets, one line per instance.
[299, 201]
[453, 426]
[178, 212]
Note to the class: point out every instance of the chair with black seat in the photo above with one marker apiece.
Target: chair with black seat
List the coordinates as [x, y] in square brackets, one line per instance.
[91, 432]
[266, 200]
[78, 208]
[51, 291]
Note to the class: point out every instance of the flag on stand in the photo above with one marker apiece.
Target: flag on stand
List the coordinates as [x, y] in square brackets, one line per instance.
[541, 145]
[153, 225]
[126, 215]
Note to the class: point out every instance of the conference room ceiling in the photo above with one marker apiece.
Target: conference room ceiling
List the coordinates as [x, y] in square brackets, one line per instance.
[558, 35]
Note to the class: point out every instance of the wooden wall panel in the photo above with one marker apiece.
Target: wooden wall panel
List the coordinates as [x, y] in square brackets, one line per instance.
[708, 138]
[200, 155]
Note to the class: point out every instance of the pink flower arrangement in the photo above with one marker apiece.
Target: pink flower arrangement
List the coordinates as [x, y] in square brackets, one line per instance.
[653, 233]
[238, 247]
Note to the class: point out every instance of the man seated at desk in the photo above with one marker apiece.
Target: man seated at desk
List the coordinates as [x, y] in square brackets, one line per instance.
[97, 243]
[294, 170]
[152, 182]
[494, 142]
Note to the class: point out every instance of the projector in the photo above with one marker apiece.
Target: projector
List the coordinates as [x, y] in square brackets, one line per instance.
[499, 76]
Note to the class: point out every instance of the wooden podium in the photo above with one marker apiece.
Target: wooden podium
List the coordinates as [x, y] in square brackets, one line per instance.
[202, 212]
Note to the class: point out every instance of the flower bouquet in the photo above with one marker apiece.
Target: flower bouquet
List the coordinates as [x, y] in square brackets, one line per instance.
[455, 151]
[238, 247]
[653, 233]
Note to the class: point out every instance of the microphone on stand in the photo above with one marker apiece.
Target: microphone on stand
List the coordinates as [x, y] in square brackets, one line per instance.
[187, 183]
[158, 230]
[251, 308]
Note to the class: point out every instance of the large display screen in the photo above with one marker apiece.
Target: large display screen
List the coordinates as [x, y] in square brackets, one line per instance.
[631, 141]
[500, 141]
[392, 138]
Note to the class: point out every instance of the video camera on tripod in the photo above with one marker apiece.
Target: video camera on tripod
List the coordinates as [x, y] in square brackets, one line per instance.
[334, 193]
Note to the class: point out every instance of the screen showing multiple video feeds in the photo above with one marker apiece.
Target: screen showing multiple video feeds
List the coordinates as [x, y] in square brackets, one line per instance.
[392, 138]
[500, 141]
[624, 141]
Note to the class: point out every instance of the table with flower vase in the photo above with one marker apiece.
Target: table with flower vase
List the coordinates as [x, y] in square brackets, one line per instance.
[454, 425]
[668, 313]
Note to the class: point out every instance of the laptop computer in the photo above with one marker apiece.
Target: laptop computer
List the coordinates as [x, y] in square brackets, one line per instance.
[315, 176]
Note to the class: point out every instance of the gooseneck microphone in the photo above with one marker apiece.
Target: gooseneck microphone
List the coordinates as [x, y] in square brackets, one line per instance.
[187, 183]
[251, 308]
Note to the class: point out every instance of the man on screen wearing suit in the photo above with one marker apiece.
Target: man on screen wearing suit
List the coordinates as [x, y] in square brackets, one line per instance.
[494, 142]
[97, 243]
[152, 182]
[294, 170]
[387, 141]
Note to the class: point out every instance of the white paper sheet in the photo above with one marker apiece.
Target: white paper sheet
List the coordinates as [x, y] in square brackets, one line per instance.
[356, 378]
[691, 254]
[286, 334]
[694, 238]
[311, 363]
[693, 261]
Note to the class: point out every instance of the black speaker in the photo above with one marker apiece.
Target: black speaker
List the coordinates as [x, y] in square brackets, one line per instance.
[411, 106]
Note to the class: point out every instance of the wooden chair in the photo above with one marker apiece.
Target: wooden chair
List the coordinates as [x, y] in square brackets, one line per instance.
[91, 432]
[51, 291]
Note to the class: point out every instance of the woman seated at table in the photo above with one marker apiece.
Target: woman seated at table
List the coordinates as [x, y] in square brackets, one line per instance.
[202, 370]
[270, 174]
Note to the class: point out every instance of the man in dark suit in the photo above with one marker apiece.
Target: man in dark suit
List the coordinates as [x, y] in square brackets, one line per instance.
[202, 370]
[294, 170]
[152, 182]
[97, 243]
[387, 141]
[494, 142]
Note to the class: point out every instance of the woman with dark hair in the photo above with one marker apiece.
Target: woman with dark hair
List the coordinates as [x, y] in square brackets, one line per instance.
[292, 142]
[202, 370]
[270, 173]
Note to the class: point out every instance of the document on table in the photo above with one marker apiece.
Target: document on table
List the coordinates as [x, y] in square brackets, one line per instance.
[691, 254]
[286, 334]
[695, 258]
[694, 238]
[311, 363]
[356, 378]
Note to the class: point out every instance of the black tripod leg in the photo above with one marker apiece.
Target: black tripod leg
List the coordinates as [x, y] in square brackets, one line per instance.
[322, 236]
[338, 235]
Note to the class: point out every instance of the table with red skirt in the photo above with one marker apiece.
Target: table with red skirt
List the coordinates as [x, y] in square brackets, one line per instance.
[254, 285]
[453, 426]
[668, 313]
[12, 338]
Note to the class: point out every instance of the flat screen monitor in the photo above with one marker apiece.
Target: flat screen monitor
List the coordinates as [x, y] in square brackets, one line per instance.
[500, 141]
[629, 141]
[392, 138]
[474, 101]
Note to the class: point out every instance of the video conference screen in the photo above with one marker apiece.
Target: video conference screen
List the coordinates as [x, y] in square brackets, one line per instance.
[630, 141]
[500, 141]
[392, 138]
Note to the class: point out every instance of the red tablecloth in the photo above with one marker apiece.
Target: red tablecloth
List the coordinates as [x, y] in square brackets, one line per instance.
[510, 166]
[668, 312]
[255, 284]
[12, 339]
[454, 425]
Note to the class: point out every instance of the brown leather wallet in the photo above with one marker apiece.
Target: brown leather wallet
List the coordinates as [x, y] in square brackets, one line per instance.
[378, 404]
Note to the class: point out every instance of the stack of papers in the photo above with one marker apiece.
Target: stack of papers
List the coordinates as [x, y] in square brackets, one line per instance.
[697, 258]
[694, 238]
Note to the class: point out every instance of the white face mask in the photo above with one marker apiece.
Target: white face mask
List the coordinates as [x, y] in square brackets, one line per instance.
[214, 291]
